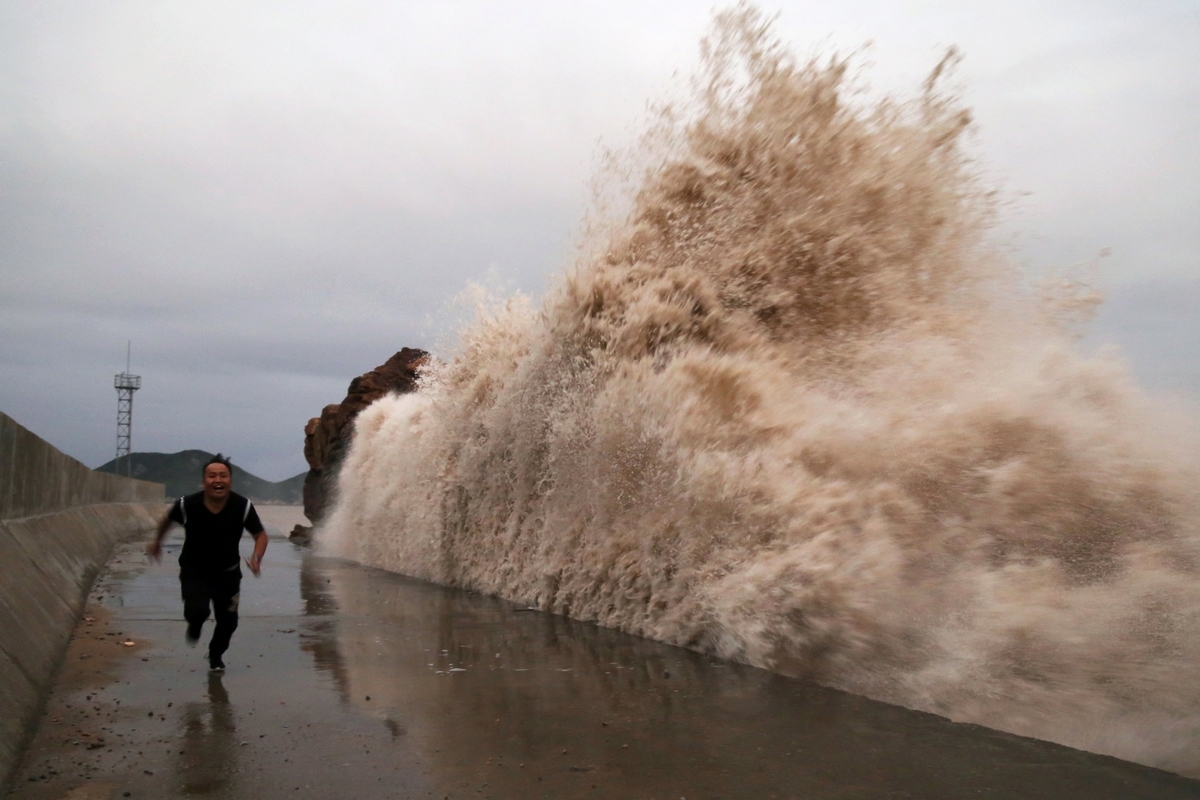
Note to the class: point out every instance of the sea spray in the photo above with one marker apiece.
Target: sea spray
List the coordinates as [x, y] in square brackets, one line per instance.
[794, 410]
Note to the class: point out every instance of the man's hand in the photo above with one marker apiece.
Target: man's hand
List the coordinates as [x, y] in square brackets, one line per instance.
[154, 546]
[260, 547]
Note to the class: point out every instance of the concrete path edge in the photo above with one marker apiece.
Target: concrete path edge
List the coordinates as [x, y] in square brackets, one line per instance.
[50, 562]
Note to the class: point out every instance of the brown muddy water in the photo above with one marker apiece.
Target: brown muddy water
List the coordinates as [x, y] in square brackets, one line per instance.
[347, 681]
[794, 404]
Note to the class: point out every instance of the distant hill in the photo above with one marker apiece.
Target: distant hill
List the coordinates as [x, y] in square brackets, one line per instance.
[181, 474]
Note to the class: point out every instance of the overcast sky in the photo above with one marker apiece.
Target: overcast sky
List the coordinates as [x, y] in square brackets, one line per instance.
[271, 198]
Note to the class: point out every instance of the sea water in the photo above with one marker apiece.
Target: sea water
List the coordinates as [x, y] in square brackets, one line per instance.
[791, 407]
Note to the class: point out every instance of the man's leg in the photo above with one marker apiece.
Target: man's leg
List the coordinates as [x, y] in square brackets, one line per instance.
[226, 592]
[195, 605]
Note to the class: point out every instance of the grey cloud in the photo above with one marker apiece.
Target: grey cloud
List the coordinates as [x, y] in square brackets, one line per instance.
[1155, 326]
[270, 199]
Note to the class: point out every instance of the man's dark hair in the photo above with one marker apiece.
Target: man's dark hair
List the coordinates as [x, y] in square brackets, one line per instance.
[217, 459]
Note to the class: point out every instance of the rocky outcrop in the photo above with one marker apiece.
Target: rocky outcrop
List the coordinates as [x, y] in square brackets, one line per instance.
[327, 437]
[301, 535]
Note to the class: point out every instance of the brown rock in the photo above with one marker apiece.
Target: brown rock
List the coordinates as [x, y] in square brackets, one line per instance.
[327, 437]
[301, 534]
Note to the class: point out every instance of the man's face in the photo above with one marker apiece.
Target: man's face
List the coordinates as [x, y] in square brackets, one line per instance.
[216, 481]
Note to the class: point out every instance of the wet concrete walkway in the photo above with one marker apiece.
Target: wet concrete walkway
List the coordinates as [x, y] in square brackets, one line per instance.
[350, 682]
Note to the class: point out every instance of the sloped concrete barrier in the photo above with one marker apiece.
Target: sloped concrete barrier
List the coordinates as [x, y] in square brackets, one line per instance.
[59, 521]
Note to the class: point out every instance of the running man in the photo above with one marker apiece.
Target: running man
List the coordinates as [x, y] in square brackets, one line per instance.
[210, 566]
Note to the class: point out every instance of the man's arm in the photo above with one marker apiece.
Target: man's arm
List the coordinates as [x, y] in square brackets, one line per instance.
[260, 547]
[259, 532]
[154, 546]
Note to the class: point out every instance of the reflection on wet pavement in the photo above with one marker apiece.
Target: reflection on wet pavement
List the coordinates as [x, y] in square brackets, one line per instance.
[523, 704]
[209, 750]
[346, 681]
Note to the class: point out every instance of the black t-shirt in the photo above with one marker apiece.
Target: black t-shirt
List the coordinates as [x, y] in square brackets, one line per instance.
[210, 542]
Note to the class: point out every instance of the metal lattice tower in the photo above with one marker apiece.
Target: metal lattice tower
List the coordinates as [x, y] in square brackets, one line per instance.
[126, 385]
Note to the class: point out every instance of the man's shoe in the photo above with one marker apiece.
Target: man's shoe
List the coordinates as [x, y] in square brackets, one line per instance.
[192, 636]
[215, 664]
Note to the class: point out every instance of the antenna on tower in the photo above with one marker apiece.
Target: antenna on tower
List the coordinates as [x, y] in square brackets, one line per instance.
[126, 385]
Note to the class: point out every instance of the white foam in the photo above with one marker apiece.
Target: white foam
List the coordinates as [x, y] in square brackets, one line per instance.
[793, 411]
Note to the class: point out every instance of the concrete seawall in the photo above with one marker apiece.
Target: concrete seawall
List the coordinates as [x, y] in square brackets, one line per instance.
[59, 521]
